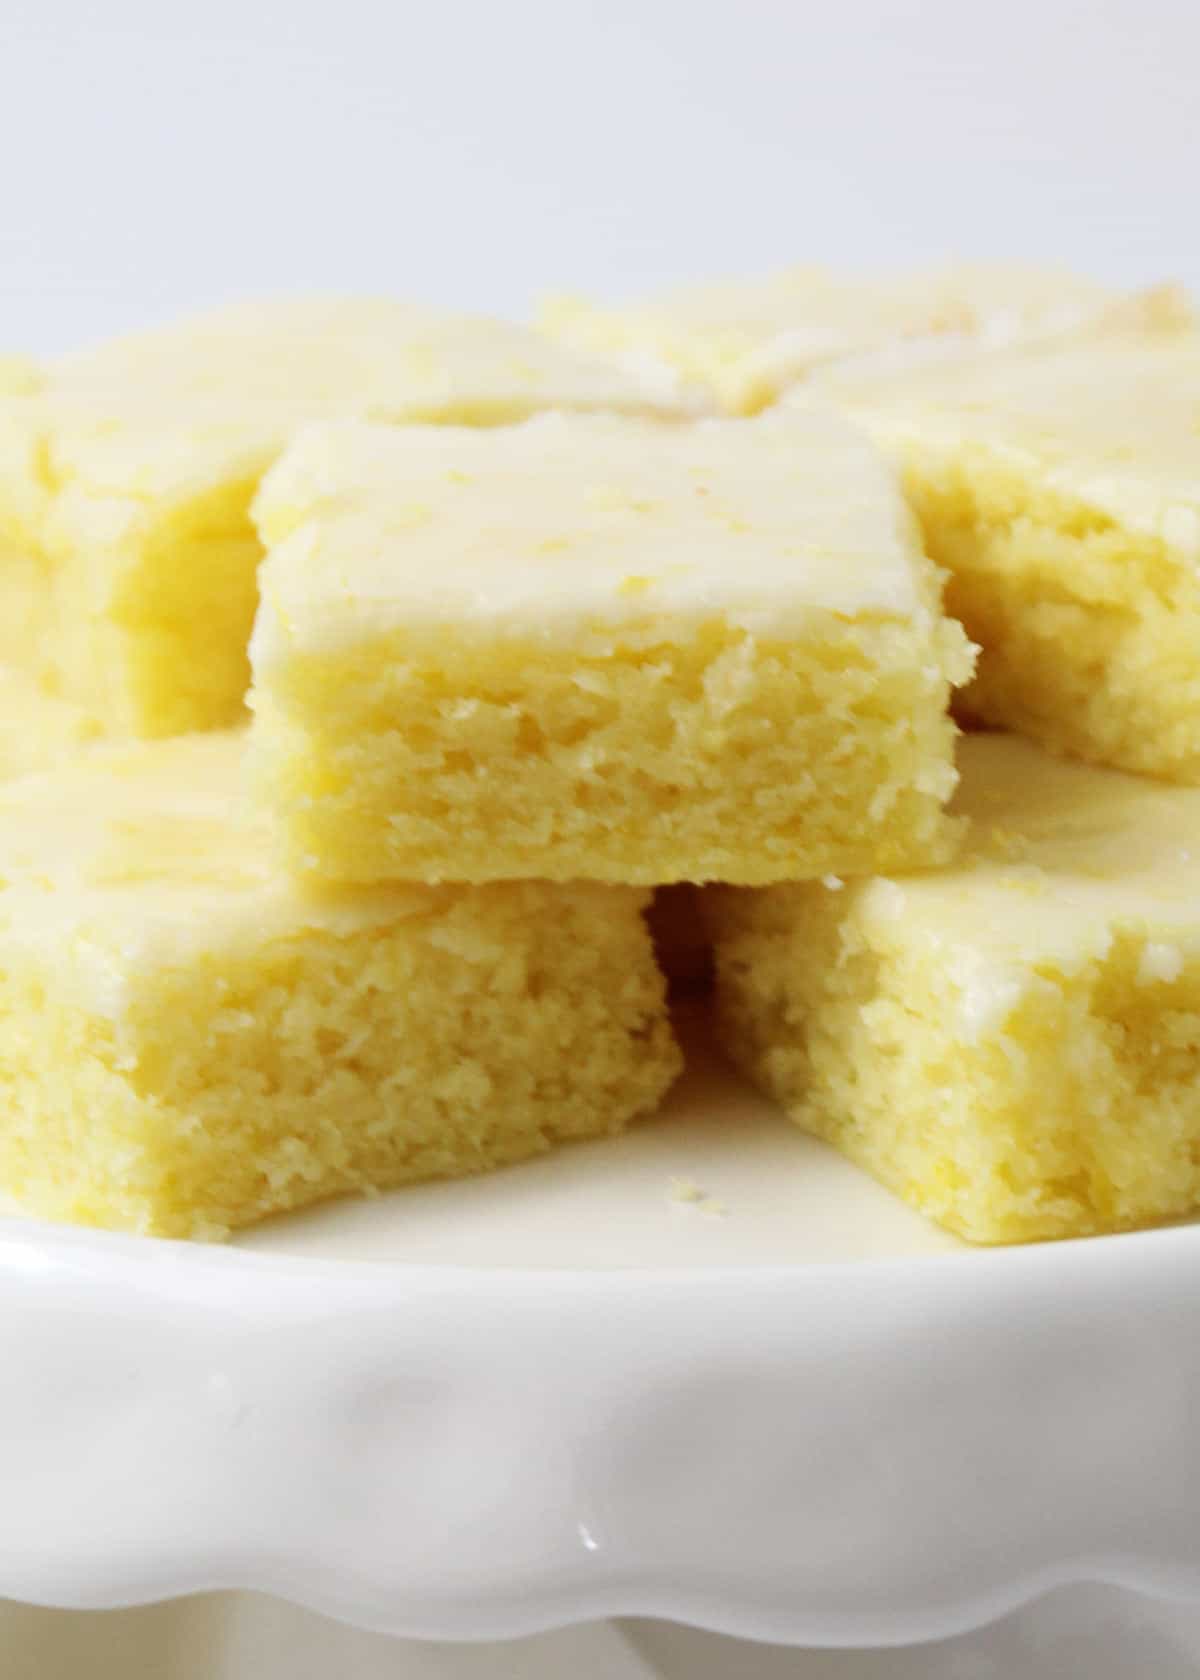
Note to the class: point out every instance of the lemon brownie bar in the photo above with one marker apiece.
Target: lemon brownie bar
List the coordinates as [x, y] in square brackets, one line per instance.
[592, 648]
[189, 1041]
[1061, 491]
[748, 342]
[1011, 1043]
[126, 478]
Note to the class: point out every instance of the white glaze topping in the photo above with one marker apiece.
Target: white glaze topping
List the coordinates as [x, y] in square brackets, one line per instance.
[1061, 858]
[1112, 425]
[571, 520]
[139, 855]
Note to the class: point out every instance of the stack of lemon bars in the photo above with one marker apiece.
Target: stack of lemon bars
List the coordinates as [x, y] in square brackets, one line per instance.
[365, 670]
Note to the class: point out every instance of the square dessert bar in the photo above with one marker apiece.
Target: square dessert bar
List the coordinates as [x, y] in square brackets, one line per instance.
[126, 477]
[1011, 1043]
[592, 648]
[748, 341]
[1061, 492]
[189, 1041]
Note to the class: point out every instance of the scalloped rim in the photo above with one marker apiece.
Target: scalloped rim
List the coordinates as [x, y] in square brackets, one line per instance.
[871, 1452]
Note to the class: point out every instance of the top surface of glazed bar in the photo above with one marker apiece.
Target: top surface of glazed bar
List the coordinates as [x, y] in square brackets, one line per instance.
[370, 355]
[1112, 425]
[146, 853]
[135, 411]
[1058, 855]
[567, 521]
[163, 412]
[750, 340]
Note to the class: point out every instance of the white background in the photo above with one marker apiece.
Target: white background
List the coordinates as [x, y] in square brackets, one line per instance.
[156, 157]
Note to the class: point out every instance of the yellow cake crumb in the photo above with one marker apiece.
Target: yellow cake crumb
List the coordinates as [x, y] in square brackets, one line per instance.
[749, 341]
[37, 729]
[18, 374]
[1061, 492]
[483, 698]
[189, 1041]
[126, 475]
[685, 1192]
[1014, 1047]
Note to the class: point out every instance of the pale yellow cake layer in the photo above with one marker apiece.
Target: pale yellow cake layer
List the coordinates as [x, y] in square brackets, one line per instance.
[18, 373]
[189, 1041]
[127, 475]
[37, 729]
[749, 341]
[1011, 1043]
[24, 606]
[1061, 491]
[598, 649]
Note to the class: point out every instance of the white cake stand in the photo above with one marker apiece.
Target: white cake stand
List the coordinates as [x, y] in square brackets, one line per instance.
[708, 1373]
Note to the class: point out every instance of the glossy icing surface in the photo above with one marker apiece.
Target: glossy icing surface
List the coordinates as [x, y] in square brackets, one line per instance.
[149, 853]
[572, 519]
[1112, 425]
[1059, 857]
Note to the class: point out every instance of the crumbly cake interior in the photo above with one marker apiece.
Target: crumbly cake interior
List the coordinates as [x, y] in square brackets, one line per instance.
[165, 653]
[717, 756]
[24, 608]
[37, 729]
[188, 1042]
[1082, 1116]
[127, 544]
[1060, 490]
[236, 1088]
[1089, 629]
[1012, 1044]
